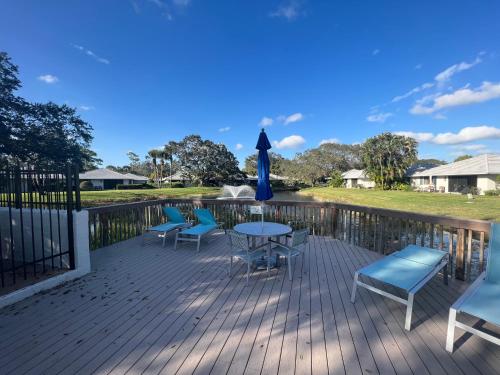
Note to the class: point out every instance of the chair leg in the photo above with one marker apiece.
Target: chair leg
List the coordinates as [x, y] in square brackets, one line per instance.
[445, 275]
[409, 310]
[164, 238]
[230, 265]
[289, 261]
[450, 337]
[248, 271]
[198, 244]
[354, 286]
[176, 239]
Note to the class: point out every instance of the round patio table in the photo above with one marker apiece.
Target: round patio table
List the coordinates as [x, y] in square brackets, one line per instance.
[266, 229]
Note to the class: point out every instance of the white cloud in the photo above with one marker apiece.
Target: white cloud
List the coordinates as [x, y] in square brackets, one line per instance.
[296, 117]
[266, 121]
[418, 66]
[91, 54]
[328, 140]
[86, 107]
[460, 97]
[290, 10]
[421, 137]
[440, 116]
[224, 129]
[290, 142]
[379, 117]
[415, 90]
[467, 134]
[48, 78]
[238, 146]
[446, 74]
[375, 52]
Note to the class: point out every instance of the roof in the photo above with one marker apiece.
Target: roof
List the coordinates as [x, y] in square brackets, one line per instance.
[135, 177]
[102, 174]
[177, 176]
[354, 173]
[479, 165]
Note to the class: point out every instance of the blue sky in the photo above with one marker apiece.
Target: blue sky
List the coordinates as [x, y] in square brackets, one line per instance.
[144, 72]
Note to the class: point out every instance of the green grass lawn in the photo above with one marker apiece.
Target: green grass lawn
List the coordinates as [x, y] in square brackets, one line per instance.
[99, 198]
[485, 208]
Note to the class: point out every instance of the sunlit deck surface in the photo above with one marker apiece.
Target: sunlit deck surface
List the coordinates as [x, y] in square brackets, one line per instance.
[155, 310]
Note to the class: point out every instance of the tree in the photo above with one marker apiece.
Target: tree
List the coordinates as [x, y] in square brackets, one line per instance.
[205, 162]
[387, 157]
[462, 157]
[44, 134]
[276, 161]
[169, 150]
[336, 180]
[317, 164]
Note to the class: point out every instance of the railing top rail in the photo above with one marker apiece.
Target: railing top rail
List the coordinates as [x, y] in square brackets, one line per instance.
[456, 222]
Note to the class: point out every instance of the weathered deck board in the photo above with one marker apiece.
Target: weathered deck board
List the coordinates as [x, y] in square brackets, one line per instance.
[155, 310]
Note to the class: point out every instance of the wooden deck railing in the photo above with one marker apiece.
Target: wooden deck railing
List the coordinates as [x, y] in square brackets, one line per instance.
[380, 230]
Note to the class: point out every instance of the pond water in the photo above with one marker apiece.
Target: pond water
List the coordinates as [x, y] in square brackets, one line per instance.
[291, 196]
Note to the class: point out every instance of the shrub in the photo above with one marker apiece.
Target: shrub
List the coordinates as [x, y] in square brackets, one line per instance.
[86, 185]
[177, 185]
[402, 186]
[492, 193]
[336, 179]
[471, 190]
[134, 186]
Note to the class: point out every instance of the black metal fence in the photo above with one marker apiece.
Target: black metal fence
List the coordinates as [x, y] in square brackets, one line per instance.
[36, 223]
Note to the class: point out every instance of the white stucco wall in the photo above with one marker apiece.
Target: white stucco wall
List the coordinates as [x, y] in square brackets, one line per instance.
[81, 245]
[486, 182]
[38, 243]
[442, 182]
[361, 182]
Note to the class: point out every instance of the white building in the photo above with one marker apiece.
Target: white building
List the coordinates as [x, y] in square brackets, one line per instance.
[355, 178]
[103, 178]
[480, 172]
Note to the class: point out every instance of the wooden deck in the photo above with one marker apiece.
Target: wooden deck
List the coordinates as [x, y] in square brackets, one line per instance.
[153, 310]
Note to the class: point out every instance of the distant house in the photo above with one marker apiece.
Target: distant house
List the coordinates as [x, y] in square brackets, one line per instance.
[479, 172]
[355, 178]
[136, 179]
[104, 178]
[176, 177]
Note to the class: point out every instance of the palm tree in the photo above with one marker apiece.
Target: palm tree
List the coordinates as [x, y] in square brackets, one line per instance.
[154, 156]
[169, 151]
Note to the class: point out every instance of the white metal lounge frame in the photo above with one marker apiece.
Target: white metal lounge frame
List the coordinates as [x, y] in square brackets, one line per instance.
[183, 237]
[166, 232]
[443, 265]
[453, 323]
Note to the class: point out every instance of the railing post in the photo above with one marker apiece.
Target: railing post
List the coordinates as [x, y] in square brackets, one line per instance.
[334, 221]
[460, 255]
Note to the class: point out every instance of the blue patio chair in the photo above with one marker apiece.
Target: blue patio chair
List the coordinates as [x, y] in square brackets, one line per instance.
[207, 224]
[240, 249]
[175, 221]
[409, 270]
[298, 241]
[482, 298]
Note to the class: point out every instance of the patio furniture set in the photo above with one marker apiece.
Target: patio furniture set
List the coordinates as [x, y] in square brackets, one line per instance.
[407, 270]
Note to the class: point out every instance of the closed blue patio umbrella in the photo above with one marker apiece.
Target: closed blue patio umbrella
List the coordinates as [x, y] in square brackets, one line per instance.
[264, 191]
